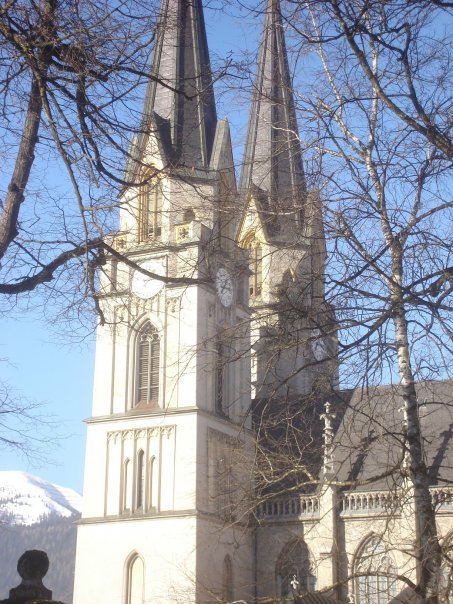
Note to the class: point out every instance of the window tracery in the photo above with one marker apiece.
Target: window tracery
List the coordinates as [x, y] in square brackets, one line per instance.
[295, 566]
[377, 583]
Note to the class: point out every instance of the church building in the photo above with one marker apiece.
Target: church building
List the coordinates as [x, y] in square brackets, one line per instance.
[216, 318]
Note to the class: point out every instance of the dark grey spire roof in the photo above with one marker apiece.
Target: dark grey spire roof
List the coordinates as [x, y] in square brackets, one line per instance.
[273, 158]
[180, 100]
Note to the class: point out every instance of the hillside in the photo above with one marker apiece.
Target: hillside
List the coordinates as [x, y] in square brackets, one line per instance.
[36, 514]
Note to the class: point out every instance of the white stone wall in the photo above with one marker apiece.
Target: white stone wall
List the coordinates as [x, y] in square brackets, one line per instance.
[165, 544]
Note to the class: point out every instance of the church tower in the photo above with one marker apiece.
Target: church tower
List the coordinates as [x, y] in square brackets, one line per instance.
[293, 331]
[168, 442]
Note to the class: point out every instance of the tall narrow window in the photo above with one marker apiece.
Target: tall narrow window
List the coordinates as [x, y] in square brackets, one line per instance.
[140, 478]
[148, 353]
[113, 275]
[219, 378]
[150, 211]
[257, 268]
[225, 217]
[151, 493]
[446, 584]
[127, 490]
[227, 580]
[135, 581]
[253, 245]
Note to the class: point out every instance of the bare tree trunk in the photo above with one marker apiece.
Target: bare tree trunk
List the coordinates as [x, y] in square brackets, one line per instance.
[24, 161]
[26, 154]
[428, 550]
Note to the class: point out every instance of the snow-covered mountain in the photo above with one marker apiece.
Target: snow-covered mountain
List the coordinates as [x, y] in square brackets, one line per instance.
[26, 500]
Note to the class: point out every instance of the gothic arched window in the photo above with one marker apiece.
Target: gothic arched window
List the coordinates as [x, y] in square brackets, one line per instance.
[253, 245]
[446, 581]
[286, 285]
[151, 492]
[294, 572]
[150, 211]
[227, 580]
[148, 362]
[135, 580]
[126, 494]
[376, 583]
[446, 594]
[219, 377]
[140, 478]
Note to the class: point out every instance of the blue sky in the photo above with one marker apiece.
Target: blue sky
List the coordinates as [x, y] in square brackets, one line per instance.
[58, 377]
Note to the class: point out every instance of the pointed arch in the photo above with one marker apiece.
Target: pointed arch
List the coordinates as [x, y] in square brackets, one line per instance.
[446, 580]
[147, 365]
[288, 278]
[227, 580]
[140, 481]
[151, 488]
[255, 249]
[126, 492]
[134, 591]
[284, 289]
[150, 210]
[375, 572]
[295, 560]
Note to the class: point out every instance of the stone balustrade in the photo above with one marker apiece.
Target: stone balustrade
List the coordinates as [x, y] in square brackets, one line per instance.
[351, 504]
[284, 507]
[374, 502]
[368, 502]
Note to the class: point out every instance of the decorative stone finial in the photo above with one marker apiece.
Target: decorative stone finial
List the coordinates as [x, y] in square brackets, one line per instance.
[328, 431]
[295, 585]
[32, 567]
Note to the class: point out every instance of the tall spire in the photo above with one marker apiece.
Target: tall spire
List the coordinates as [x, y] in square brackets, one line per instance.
[273, 158]
[180, 96]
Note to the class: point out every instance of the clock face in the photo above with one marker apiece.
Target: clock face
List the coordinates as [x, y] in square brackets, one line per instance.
[143, 286]
[224, 287]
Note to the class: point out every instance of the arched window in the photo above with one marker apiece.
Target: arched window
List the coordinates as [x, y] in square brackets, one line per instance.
[135, 581]
[446, 581]
[295, 564]
[446, 593]
[140, 478]
[150, 211]
[377, 583]
[253, 245]
[286, 284]
[148, 360]
[127, 486]
[219, 377]
[227, 580]
[151, 493]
